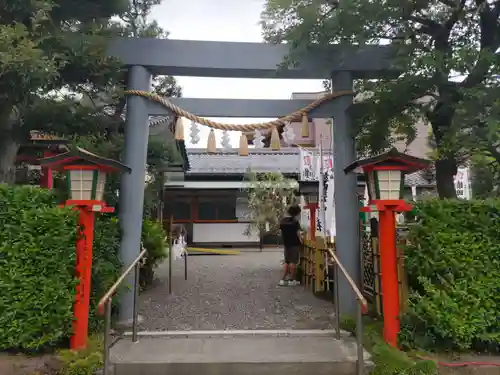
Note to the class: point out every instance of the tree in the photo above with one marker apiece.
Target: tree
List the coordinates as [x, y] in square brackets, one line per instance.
[54, 75]
[481, 128]
[268, 194]
[447, 49]
[46, 46]
[485, 178]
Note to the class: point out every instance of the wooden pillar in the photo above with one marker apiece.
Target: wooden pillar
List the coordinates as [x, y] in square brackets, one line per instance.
[319, 262]
[312, 207]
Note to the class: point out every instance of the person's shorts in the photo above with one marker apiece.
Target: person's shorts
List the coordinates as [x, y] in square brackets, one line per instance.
[292, 255]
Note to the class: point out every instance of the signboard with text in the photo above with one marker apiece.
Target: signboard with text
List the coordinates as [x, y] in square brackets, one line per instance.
[310, 165]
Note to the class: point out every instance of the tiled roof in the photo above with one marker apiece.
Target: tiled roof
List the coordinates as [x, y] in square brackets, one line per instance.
[416, 179]
[229, 162]
[286, 160]
[36, 135]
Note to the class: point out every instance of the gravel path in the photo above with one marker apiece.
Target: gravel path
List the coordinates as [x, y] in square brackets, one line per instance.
[231, 292]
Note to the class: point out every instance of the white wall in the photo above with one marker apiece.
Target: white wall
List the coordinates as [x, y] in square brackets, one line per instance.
[222, 233]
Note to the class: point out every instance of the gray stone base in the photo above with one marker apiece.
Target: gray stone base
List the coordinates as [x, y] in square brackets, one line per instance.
[251, 354]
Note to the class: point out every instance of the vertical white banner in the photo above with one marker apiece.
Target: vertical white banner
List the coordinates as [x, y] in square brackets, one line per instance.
[330, 204]
[463, 183]
[312, 163]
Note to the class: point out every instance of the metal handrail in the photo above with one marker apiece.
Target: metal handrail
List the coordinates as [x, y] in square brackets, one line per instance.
[362, 307]
[104, 306]
[359, 295]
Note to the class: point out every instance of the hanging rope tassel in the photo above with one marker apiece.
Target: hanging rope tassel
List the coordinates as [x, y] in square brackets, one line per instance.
[275, 139]
[211, 144]
[305, 126]
[179, 129]
[212, 147]
[243, 150]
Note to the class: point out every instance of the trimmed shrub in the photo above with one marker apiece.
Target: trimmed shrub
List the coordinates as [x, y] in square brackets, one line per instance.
[37, 258]
[153, 239]
[453, 265]
[37, 266]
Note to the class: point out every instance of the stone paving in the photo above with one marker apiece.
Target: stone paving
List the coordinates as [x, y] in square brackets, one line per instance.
[231, 292]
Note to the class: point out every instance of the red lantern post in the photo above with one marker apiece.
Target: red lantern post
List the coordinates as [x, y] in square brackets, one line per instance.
[310, 191]
[86, 178]
[385, 179]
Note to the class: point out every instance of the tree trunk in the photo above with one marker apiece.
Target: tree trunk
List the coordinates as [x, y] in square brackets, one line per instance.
[8, 154]
[445, 171]
[441, 119]
[9, 147]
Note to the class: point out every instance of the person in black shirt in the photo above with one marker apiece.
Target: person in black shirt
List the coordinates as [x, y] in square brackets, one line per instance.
[290, 232]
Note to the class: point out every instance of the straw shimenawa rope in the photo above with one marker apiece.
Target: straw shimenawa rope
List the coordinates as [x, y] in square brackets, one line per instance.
[299, 114]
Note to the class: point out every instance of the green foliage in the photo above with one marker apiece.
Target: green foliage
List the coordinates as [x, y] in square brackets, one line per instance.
[391, 361]
[153, 239]
[83, 362]
[388, 360]
[453, 266]
[446, 50]
[54, 74]
[37, 259]
[52, 44]
[485, 177]
[269, 195]
[106, 265]
[37, 263]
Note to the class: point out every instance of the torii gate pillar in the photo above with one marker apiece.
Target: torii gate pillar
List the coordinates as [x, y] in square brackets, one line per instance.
[132, 184]
[346, 201]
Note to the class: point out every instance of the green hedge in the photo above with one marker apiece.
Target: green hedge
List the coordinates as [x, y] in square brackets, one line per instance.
[453, 265]
[37, 257]
[37, 261]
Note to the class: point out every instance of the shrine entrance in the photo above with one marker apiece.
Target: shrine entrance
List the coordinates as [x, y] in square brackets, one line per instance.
[240, 351]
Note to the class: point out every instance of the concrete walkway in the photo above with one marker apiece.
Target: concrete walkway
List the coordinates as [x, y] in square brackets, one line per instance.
[231, 292]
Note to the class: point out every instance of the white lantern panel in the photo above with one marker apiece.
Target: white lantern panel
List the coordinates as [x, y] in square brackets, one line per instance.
[372, 191]
[389, 184]
[101, 182]
[81, 184]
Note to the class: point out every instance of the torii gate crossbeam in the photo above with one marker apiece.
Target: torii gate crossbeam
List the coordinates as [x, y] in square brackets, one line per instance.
[146, 57]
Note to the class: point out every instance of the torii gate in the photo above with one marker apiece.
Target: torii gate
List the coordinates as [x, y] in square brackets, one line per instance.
[148, 56]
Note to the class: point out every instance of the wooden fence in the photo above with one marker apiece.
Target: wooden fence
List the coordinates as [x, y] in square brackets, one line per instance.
[316, 267]
[315, 264]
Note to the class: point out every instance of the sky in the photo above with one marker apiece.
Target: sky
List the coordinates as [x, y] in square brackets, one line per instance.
[231, 21]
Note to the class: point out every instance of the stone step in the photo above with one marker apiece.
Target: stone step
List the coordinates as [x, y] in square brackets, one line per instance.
[308, 352]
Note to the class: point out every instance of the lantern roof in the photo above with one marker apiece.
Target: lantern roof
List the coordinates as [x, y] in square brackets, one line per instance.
[80, 157]
[392, 158]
